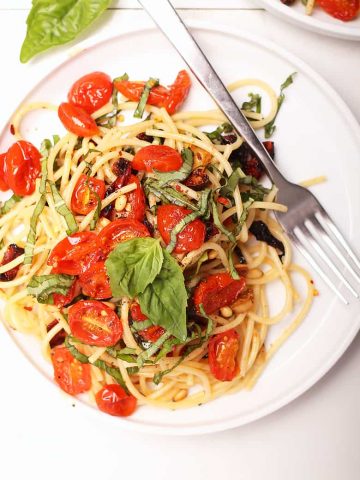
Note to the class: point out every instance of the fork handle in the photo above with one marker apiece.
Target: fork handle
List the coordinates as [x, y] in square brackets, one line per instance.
[165, 16]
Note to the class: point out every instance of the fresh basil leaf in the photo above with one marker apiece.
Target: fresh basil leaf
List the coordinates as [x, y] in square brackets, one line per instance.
[167, 194]
[219, 225]
[109, 119]
[232, 182]
[63, 210]
[31, 238]
[244, 215]
[145, 356]
[216, 135]
[97, 212]
[271, 127]
[138, 326]
[254, 104]
[167, 347]
[133, 265]
[177, 175]
[53, 23]
[9, 204]
[151, 83]
[164, 300]
[112, 371]
[204, 258]
[233, 272]
[43, 286]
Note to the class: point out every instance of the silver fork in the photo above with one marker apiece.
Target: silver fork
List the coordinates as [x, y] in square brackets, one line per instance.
[306, 222]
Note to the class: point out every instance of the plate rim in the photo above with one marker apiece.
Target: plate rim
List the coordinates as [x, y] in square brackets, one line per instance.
[310, 23]
[296, 392]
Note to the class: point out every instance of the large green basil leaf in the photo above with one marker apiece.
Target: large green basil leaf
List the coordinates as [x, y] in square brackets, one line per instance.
[164, 300]
[53, 23]
[133, 265]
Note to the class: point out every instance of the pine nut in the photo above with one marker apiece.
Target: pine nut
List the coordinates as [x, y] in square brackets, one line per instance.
[180, 395]
[101, 224]
[213, 254]
[120, 203]
[226, 312]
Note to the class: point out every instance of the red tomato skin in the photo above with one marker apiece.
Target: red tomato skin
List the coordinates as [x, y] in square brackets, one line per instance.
[178, 92]
[22, 167]
[136, 202]
[223, 349]
[120, 231]
[95, 282]
[151, 334]
[77, 121]
[75, 254]
[344, 10]
[113, 399]
[217, 291]
[170, 98]
[91, 92]
[190, 238]
[157, 157]
[72, 376]
[3, 182]
[84, 197]
[94, 323]
[63, 300]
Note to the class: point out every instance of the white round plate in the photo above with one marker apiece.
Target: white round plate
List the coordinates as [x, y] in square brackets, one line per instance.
[316, 134]
[319, 21]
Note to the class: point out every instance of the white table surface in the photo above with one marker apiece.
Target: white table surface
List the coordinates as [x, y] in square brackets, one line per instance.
[316, 437]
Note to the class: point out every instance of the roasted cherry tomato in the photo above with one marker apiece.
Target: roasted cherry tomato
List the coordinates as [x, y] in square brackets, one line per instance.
[120, 231]
[94, 323]
[3, 182]
[151, 334]
[75, 254]
[344, 10]
[157, 157]
[135, 202]
[86, 194]
[91, 92]
[190, 238]
[113, 399]
[77, 121]
[223, 349]
[95, 282]
[13, 251]
[71, 375]
[22, 167]
[63, 300]
[170, 98]
[218, 291]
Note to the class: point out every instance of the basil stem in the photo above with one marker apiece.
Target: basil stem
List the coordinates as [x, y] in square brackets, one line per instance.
[31, 238]
[63, 210]
[151, 83]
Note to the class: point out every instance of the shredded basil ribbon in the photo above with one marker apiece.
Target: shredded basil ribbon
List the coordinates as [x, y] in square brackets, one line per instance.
[152, 350]
[219, 225]
[43, 286]
[31, 238]
[113, 371]
[177, 175]
[63, 210]
[9, 204]
[233, 271]
[97, 212]
[151, 83]
[167, 194]
[271, 127]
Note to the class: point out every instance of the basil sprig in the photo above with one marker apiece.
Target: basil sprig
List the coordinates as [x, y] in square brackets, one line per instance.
[151, 83]
[53, 23]
[141, 268]
[177, 175]
[43, 286]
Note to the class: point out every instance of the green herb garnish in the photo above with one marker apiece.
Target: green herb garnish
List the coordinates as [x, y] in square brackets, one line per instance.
[151, 83]
[42, 287]
[271, 127]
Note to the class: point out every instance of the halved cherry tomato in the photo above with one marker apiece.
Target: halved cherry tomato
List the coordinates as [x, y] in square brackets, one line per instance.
[75, 254]
[218, 291]
[77, 121]
[95, 323]
[157, 157]
[151, 334]
[344, 10]
[170, 98]
[178, 92]
[22, 167]
[223, 349]
[86, 194]
[120, 231]
[3, 182]
[91, 92]
[190, 238]
[135, 204]
[63, 300]
[95, 282]
[113, 399]
[71, 375]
